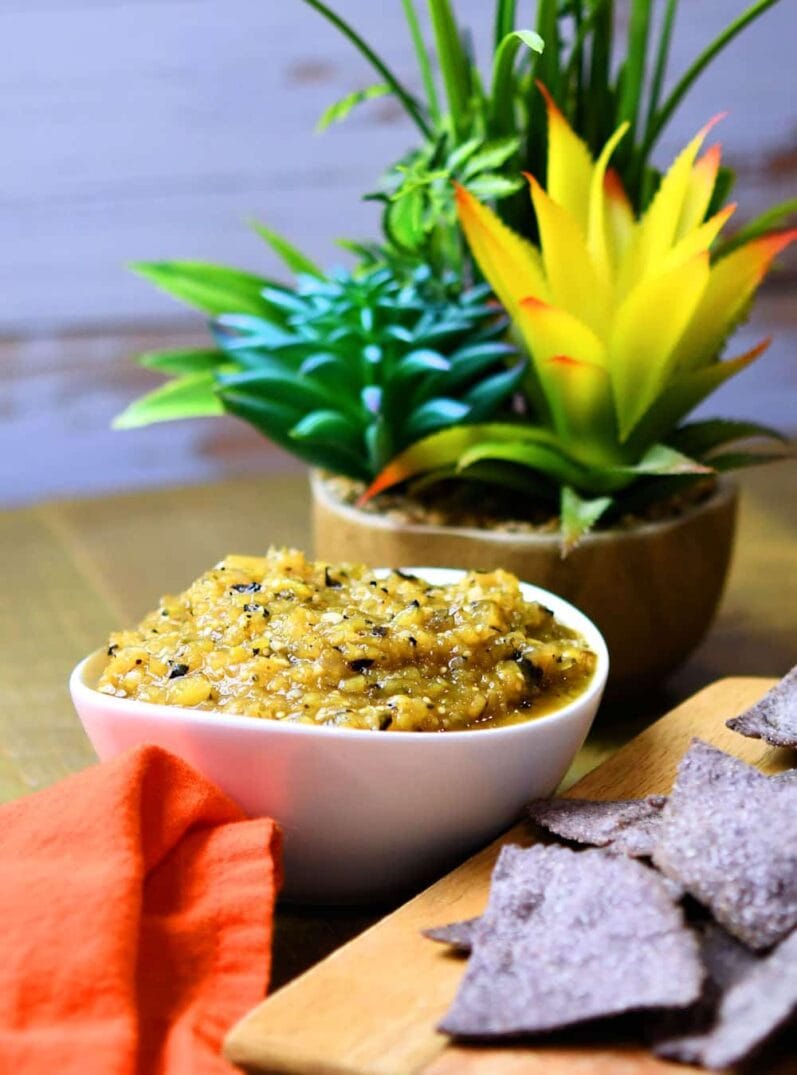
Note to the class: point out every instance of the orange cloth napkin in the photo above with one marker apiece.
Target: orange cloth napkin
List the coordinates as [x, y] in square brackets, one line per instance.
[136, 909]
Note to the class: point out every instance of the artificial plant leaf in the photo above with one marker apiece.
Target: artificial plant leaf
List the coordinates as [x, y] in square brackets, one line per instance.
[761, 225]
[371, 398]
[503, 94]
[286, 387]
[569, 170]
[491, 156]
[417, 362]
[403, 220]
[411, 105]
[738, 460]
[684, 393]
[378, 444]
[190, 396]
[727, 296]
[285, 300]
[699, 190]
[580, 395]
[339, 110]
[578, 516]
[492, 185]
[327, 427]
[488, 395]
[296, 261]
[275, 420]
[647, 327]
[327, 367]
[599, 241]
[212, 288]
[538, 457]
[661, 459]
[433, 415]
[453, 60]
[183, 360]
[657, 229]
[518, 479]
[237, 331]
[697, 439]
[461, 154]
[618, 218]
[510, 264]
[569, 269]
[444, 449]
[723, 185]
[549, 331]
[699, 239]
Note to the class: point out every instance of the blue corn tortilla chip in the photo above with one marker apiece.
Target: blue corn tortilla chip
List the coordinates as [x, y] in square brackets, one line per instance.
[629, 825]
[569, 937]
[458, 934]
[774, 718]
[728, 835]
[747, 1000]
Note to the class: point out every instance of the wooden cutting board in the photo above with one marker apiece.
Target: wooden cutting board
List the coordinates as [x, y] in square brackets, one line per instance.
[372, 1006]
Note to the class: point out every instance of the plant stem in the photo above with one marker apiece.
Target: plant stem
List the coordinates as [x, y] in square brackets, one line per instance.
[423, 60]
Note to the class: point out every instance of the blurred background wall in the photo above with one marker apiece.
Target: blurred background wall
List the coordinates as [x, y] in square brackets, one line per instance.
[154, 128]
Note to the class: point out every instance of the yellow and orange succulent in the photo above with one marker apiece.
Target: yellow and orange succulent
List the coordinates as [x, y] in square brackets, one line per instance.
[624, 320]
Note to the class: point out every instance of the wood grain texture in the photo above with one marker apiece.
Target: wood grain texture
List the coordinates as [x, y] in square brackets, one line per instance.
[371, 1008]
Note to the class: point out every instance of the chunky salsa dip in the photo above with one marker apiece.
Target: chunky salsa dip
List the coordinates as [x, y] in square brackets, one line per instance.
[282, 638]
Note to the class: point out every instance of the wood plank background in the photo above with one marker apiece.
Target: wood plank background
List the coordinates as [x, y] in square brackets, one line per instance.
[154, 128]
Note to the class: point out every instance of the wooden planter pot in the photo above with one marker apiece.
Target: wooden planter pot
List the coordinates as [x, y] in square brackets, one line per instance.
[652, 590]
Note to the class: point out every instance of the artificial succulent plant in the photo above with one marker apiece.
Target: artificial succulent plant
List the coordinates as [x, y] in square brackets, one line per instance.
[624, 319]
[344, 370]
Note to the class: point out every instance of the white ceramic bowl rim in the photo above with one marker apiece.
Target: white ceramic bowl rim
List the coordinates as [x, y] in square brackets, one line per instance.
[566, 613]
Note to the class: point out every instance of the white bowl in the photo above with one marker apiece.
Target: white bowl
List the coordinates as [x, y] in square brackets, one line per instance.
[363, 813]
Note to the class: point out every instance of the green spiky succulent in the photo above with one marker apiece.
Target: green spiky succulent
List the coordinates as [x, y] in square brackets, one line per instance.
[343, 370]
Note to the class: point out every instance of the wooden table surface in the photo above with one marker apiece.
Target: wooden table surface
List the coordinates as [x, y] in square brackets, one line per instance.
[73, 571]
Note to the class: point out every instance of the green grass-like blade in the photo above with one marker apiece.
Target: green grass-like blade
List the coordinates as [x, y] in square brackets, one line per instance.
[548, 66]
[192, 396]
[634, 70]
[766, 222]
[296, 261]
[215, 289]
[182, 361]
[660, 65]
[599, 116]
[696, 69]
[424, 61]
[410, 104]
[503, 89]
[700, 438]
[454, 63]
[504, 21]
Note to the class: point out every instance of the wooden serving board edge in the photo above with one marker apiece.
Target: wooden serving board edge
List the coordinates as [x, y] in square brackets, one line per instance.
[371, 1007]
